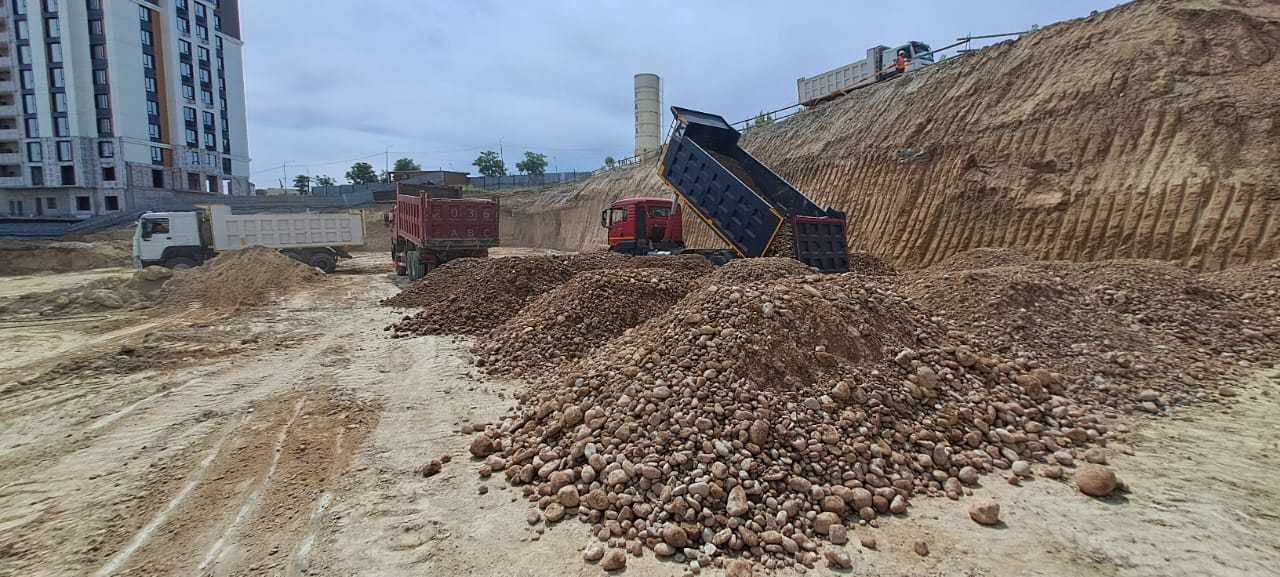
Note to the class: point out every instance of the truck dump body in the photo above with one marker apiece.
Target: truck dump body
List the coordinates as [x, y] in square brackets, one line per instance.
[748, 206]
[294, 230]
[446, 222]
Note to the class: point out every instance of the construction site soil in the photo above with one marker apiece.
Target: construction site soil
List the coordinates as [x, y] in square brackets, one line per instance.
[1062, 144]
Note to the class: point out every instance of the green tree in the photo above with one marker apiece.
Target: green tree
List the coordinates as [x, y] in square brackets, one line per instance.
[405, 165]
[533, 163]
[302, 182]
[609, 162]
[325, 180]
[362, 173]
[762, 119]
[490, 164]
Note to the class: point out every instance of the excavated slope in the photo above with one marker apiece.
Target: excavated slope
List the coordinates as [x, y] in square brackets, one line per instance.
[1150, 130]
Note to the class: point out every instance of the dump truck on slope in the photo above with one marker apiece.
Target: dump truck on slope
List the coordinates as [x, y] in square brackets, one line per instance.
[754, 211]
[183, 239]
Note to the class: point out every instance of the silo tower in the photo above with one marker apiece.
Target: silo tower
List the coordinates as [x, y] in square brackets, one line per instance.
[648, 112]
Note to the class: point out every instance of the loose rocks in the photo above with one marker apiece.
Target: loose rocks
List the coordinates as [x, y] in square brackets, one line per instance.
[614, 560]
[985, 512]
[1095, 480]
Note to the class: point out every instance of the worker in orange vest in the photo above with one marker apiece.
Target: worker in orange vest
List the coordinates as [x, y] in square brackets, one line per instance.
[901, 62]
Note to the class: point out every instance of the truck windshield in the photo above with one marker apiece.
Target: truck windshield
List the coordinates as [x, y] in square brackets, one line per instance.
[659, 211]
[921, 50]
[151, 226]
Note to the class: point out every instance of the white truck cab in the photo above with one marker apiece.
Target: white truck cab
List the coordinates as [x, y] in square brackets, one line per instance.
[169, 239]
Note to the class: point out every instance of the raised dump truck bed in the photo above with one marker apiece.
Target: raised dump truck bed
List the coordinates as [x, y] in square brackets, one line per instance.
[753, 210]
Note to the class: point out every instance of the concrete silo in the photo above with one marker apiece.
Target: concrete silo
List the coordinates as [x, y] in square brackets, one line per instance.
[648, 112]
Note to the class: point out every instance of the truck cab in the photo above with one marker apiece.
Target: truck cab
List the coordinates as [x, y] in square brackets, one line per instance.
[169, 239]
[639, 226]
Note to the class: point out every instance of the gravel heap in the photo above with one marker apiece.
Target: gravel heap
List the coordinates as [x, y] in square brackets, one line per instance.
[870, 265]
[570, 321]
[759, 419]
[471, 296]
[690, 263]
[237, 279]
[750, 270]
[980, 258]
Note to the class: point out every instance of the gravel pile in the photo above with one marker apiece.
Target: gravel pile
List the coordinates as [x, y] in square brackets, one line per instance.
[570, 321]
[870, 265]
[758, 420]
[752, 270]
[472, 296]
[980, 258]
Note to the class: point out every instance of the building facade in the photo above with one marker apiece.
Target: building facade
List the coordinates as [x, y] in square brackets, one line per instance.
[105, 101]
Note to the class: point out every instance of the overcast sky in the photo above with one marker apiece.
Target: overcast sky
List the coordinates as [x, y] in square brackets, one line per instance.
[329, 82]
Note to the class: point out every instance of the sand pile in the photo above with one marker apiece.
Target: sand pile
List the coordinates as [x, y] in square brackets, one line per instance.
[472, 296]
[36, 257]
[757, 419]
[566, 323]
[141, 290]
[244, 278]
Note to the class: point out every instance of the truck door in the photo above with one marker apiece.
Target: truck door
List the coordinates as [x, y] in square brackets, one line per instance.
[152, 238]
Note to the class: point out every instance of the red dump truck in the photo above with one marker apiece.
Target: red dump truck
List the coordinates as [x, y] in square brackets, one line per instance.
[433, 225]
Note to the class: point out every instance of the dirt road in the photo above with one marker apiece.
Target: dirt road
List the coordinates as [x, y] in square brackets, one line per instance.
[287, 443]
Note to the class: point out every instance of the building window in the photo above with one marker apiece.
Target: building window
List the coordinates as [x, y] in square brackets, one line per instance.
[148, 61]
[35, 152]
[204, 76]
[188, 92]
[153, 130]
[157, 155]
[33, 128]
[55, 53]
[95, 27]
[59, 101]
[99, 51]
[100, 77]
[210, 141]
[184, 26]
[146, 38]
[104, 127]
[202, 32]
[207, 98]
[52, 29]
[19, 6]
[203, 53]
[29, 103]
[37, 176]
[153, 108]
[184, 48]
[103, 101]
[69, 179]
[191, 137]
[83, 204]
[200, 12]
[24, 30]
[181, 4]
[56, 78]
[24, 54]
[28, 79]
[95, 4]
[189, 114]
[144, 14]
[109, 175]
[208, 118]
[217, 22]
[15, 208]
[151, 84]
[50, 5]
[106, 149]
[51, 202]
[60, 126]
[64, 151]
[185, 69]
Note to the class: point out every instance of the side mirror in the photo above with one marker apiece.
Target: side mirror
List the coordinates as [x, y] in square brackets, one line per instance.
[604, 218]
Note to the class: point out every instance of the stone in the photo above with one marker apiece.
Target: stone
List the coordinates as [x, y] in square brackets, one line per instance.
[430, 469]
[837, 558]
[1064, 458]
[614, 560]
[1021, 468]
[838, 534]
[834, 504]
[675, 536]
[985, 512]
[968, 475]
[921, 548]
[1051, 472]
[593, 553]
[867, 542]
[482, 446]
[1096, 455]
[663, 550]
[1095, 480]
[553, 513]
[898, 506]
[568, 496]
[738, 568]
[736, 505]
[824, 521]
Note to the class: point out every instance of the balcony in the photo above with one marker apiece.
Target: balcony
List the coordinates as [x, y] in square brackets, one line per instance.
[8, 86]
[8, 110]
[10, 158]
[10, 134]
[6, 61]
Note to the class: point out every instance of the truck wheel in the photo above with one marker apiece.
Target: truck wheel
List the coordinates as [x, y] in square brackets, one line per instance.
[323, 261]
[401, 270]
[179, 263]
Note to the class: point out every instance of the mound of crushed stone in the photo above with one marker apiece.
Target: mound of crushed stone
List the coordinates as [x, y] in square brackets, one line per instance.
[471, 296]
[980, 258]
[690, 263]
[564, 324]
[750, 270]
[759, 419]
[244, 278]
[870, 265]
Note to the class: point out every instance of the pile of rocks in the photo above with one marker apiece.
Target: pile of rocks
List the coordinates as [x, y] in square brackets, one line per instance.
[472, 296]
[759, 419]
[753, 270]
[570, 321]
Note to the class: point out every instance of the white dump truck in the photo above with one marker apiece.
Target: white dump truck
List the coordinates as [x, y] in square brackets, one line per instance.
[188, 238]
[877, 66]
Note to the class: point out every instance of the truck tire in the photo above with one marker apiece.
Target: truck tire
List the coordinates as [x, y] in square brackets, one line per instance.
[179, 263]
[323, 261]
[401, 270]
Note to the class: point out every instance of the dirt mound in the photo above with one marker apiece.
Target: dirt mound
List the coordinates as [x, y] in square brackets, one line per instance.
[870, 265]
[24, 258]
[754, 418]
[752, 270]
[239, 279]
[690, 263]
[980, 258]
[570, 321]
[141, 290]
[472, 296]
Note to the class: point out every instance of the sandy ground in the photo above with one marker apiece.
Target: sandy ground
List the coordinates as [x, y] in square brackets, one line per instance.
[289, 447]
